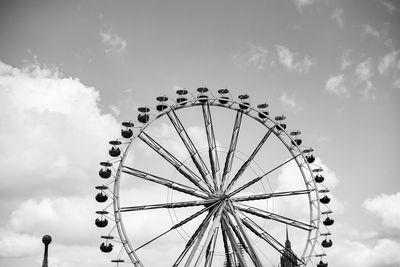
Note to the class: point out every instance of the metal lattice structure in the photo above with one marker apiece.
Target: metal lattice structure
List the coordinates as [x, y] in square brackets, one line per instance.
[229, 225]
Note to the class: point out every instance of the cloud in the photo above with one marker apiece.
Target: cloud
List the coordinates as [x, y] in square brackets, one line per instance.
[337, 16]
[385, 207]
[287, 59]
[27, 245]
[389, 66]
[365, 248]
[396, 84]
[114, 44]
[53, 136]
[53, 132]
[325, 138]
[388, 62]
[389, 6]
[290, 102]
[59, 215]
[115, 110]
[256, 57]
[345, 62]
[304, 3]
[364, 70]
[364, 74]
[368, 30]
[384, 253]
[335, 86]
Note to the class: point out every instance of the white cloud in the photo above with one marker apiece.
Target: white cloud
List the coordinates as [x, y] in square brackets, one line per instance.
[304, 3]
[385, 207]
[337, 16]
[287, 59]
[290, 102]
[364, 70]
[384, 253]
[113, 43]
[53, 133]
[285, 56]
[389, 65]
[27, 245]
[115, 110]
[368, 30]
[256, 57]
[364, 74]
[345, 62]
[368, 92]
[389, 43]
[59, 215]
[325, 138]
[365, 248]
[388, 62]
[52, 139]
[356, 234]
[390, 6]
[335, 86]
[396, 84]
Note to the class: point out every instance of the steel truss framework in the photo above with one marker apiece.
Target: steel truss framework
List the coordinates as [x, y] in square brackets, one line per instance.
[226, 213]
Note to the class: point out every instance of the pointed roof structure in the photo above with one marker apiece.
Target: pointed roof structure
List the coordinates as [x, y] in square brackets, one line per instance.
[287, 242]
[288, 258]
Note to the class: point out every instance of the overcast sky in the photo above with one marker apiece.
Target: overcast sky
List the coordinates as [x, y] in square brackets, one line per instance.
[71, 71]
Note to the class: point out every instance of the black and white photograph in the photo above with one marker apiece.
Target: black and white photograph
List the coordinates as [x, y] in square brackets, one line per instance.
[184, 133]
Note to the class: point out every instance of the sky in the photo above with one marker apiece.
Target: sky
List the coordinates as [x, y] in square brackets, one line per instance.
[72, 71]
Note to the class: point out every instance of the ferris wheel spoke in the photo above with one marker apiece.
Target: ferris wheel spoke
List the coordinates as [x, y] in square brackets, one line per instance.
[179, 224]
[211, 249]
[182, 204]
[236, 249]
[165, 182]
[212, 148]
[232, 147]
[196, 235]
[194, 154]
[249, 160]
[245, 240]
[211, 234]
[257, 179]
[228, 252]
[258, 231]
[179, 166]
[245, 244]
[271, 195]
[214, 225]
[275, 217]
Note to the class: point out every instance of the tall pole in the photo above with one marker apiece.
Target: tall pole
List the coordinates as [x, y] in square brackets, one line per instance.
[46, 241]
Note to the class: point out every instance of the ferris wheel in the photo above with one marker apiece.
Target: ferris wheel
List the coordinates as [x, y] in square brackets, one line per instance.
[206, 179]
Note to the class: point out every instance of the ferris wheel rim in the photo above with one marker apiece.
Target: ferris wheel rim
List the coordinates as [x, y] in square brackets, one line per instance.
[213, 102]
[241, 106]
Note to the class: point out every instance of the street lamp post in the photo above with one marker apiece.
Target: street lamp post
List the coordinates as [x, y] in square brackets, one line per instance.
[46, 241]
